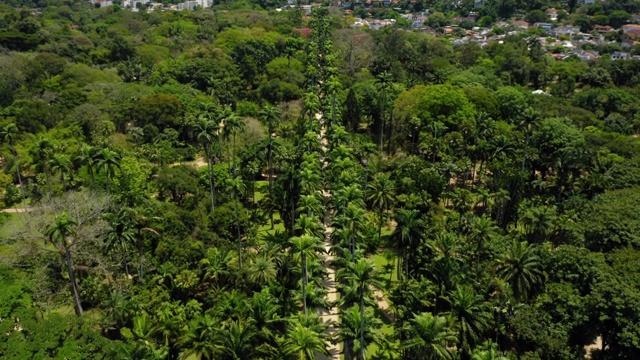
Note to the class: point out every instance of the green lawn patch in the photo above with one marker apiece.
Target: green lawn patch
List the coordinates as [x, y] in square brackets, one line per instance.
[385, 263]
[277, 225]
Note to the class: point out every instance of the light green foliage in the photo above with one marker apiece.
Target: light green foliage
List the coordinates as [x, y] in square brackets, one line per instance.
[442, 103]
[610, 222]
[132, 181]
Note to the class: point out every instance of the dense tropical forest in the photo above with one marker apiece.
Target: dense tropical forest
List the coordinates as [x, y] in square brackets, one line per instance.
[241, 182]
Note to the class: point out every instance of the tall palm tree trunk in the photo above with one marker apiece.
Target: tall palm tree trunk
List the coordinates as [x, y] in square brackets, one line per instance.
[72, 279]
[210, 171]
[361, 324]
[271, 175]
[140, 258]
[333, 110]
[304, 284]
[381, 141]
[46, 174]
[406, 261]
[24, 198]
[238, 230]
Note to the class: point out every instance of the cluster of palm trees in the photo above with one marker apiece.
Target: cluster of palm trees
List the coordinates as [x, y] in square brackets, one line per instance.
[214, 129]
[50, 160]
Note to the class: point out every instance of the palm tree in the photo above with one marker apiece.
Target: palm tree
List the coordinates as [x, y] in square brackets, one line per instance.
[408, 230]
[310, 180]
[168, 324]
[381, 195]
[237, 188]
[140, 336]
[270, 116]
[62, 235]
[262, 269]
[447, 262]
[61, 164]
[361, 276]
[472, 314]
[538, 222]
[344, 196]
[206, 132]
[384, 81]
[429, 337]
[311, 107]
[43, 150]
[527, 123]
[120, 235]
[351, 222]
[143, 222]
[264, 311]
[8, 135]
[233, 124]
[349, 331]
[304, 342]
[310, 204]
[109, 161]
[488, 351]
[483, 229]
[333, 86]
[216, 264]
[89, 158]
[200, 339]
[237, 340]
[305, 247]
[521, 268]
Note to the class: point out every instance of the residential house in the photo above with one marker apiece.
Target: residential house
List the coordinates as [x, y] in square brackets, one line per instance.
[632, 31]
[546, 26]
[552, 13]
[418, 21]
[585, 55]
[586, 2]
[520, 24]
[478, 3]
[569, 30]
[619, 55]
[360, 23]
[603, 29]
[187, 5]
[101, 3]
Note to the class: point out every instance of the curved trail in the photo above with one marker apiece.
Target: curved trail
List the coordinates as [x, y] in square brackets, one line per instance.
[331, 316]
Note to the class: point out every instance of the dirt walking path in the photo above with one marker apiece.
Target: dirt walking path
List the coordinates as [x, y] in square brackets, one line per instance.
[331, 316]
[15, 210]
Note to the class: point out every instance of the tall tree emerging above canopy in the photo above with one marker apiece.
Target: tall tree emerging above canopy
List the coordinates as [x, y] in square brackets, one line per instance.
[443, 103]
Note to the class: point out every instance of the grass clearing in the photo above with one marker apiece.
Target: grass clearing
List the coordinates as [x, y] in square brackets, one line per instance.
[277, 225]
[385, 263]
[262, 188]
